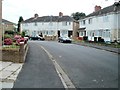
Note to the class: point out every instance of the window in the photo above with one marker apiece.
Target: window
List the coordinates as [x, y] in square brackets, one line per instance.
[105, 18]
[47, 32]
[83, 22]
[26, 24]
[107, 33]
[50, 23]
[93, 34]
[81, 34]
[69, 23]
[35, 23]
[100, 33]
[97, 19]
[64, 23]
[90, 21]
[104, 34]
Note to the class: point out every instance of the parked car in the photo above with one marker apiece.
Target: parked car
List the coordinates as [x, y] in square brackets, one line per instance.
[64, 39]
[37, 38]
[41, 38]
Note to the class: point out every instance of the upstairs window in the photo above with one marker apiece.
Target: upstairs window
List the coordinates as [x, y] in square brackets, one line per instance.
[51, 24]
[83, 22]
[90, 21]
[35, 23]
[105, 18]
[69, 23]
[26, 24]
[64, 23]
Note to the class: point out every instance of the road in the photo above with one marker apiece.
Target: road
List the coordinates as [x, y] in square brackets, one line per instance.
[86, 67]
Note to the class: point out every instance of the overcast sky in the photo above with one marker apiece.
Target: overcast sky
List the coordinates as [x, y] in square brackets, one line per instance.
[12, 9]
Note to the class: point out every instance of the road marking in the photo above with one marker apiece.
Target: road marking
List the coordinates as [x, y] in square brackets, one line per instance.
[67, 83]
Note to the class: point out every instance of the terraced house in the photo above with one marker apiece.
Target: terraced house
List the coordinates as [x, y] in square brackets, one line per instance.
[8, 25]
[104, 23]
[49, 26]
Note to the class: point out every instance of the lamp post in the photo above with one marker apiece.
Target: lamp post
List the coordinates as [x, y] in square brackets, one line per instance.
[3, 25]
[1, 22]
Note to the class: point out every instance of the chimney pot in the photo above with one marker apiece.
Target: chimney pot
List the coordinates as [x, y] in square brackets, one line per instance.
[97, 8]
[60, 14]
[36, 15]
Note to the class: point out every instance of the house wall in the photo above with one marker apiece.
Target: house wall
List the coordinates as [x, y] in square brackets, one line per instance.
[119, 26]
[47, 28]
[8, 27]
[100, 22]
[101, 26]
[75, 29]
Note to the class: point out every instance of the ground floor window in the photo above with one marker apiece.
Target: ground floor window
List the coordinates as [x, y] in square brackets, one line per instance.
[64, 32]
[103, 33]
[82, 33]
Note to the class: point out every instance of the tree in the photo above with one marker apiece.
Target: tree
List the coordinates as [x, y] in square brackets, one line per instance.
[20, 19]
[78, 15]
[19, 22]
[23, 33]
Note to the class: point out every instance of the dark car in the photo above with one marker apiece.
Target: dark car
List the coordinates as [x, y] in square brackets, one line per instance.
[64, 39]
[41, 38]
[37, 38]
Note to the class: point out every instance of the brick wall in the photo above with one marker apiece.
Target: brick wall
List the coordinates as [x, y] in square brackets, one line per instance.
[75, 29]
[15, 55]
[50, 38]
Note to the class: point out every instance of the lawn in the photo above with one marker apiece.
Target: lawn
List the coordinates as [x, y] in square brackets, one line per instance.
[114, 45]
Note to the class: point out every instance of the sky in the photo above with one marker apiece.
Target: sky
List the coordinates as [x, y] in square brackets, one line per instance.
[13, 9]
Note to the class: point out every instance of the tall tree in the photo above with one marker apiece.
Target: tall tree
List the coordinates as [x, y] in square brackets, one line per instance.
[78, 15]
[19, 22]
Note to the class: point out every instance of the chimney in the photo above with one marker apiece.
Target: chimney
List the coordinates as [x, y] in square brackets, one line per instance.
[97, 8]
[36, 15]
[60, 14]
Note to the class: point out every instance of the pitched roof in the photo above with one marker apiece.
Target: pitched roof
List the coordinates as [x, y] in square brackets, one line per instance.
[7, 22]
[112, 8]
[49, 19]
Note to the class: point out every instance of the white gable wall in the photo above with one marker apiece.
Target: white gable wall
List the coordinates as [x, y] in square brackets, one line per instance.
[101, 26]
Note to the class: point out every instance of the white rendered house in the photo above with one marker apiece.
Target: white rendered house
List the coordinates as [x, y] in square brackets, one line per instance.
[49, 25]
[104, 23]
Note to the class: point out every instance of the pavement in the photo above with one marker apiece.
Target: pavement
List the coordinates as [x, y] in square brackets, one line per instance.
[38, 70]
[107, 48]
[8, 73]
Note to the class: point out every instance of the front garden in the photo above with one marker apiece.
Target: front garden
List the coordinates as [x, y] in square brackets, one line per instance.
[99, 42]
[14, 46]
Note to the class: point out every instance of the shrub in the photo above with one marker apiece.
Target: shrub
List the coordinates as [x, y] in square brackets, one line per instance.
[7, 36]
[9, 32]
[85, 38]
[100, 39]
[23, 34]
[80, 38]
[8, 41]
[20, 40]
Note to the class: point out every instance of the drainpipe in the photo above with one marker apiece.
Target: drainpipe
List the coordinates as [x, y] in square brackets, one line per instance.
[117, 4]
